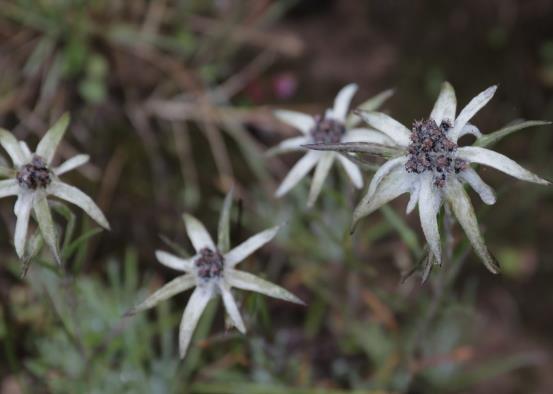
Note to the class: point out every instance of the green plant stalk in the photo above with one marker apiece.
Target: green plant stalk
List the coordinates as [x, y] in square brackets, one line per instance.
[442, 286]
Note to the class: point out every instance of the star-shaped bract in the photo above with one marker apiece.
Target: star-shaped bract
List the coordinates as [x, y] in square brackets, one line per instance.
[32, 179]
[336, 125]
[212, 270]
[433, 169]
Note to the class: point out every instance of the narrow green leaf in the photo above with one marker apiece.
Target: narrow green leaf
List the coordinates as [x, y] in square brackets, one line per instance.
[368, 148]
[375, 102]
[223, 242]
[32, 249]
[464, 212]
[496, 136]
[46, 225]
[47, 146]
[64, 211]
[371, 104]
[176, 248]
[70, 249]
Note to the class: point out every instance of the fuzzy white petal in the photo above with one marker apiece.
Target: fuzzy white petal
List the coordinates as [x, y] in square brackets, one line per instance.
[246, 248]
[470, 129]
[289, 145]
[48, 144]
[429, 205]
[343, 101]
[498, 161]
[463, 210]
[321, 172]
[71, 164]
[176, 286]
[197, 233]
[473, 179]
[445, 106]
[246, 281]
[23, 212]
[397, 182]
[46, 224]
[469, 111]
[231, 307]
[298, 120]
[367, 135]
[353, 171]
[76, 196]
[10, 144]
[389, 126]
[300, 169]
[26, 151]
[174, 262]
[383, 171]
[192, 313]
[413, 198]
[8, 187]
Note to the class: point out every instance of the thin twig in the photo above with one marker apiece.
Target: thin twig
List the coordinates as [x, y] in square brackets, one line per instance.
[238, 81]
[284, 43]
[218, 148]
[182, 145]
[154, 17]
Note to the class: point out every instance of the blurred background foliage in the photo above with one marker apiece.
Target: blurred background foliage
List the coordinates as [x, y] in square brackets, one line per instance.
[172, 100]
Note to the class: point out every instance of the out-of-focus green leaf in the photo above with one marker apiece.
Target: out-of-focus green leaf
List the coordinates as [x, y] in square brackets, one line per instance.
[407, 235]
[257, 388]
[481, 372]
[39, 56]
[93, 90]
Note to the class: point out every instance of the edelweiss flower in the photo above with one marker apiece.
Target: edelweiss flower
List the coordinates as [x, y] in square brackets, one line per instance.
[32, 180]
[212, 271]
[333, 127]
[433, 169]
